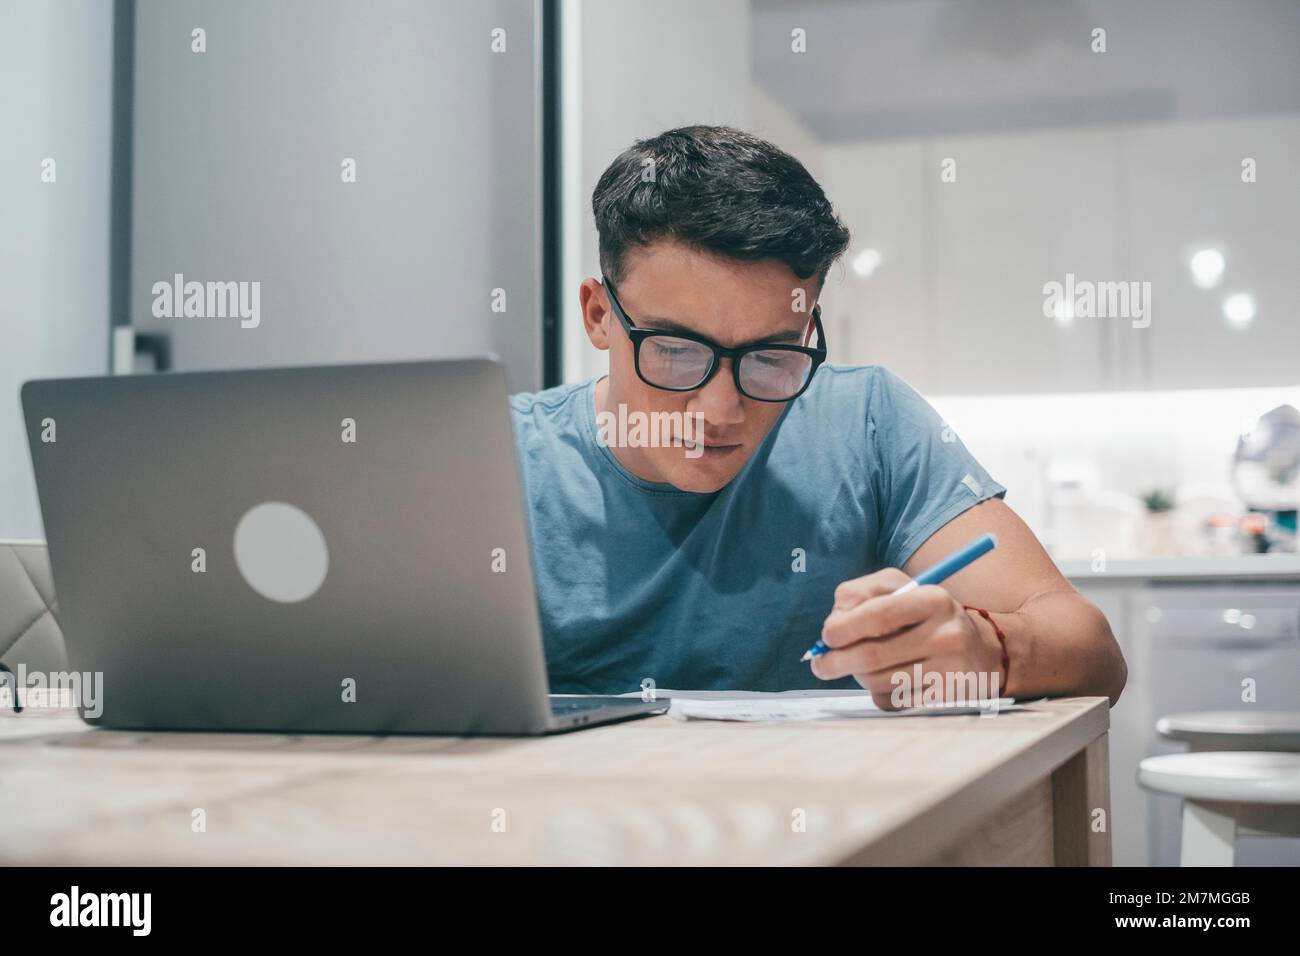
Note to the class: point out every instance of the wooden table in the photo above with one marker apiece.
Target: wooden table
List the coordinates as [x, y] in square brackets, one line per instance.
[1016, 788]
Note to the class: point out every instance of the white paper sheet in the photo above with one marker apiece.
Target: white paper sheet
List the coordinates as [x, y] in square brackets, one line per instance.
[802, 705]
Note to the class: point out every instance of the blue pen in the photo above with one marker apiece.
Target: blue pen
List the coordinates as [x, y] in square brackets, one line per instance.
[941, 571]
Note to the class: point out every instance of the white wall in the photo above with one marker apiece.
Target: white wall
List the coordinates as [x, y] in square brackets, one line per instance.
[645, 68]
[55, 86]
[771, 120]
[1115, 444]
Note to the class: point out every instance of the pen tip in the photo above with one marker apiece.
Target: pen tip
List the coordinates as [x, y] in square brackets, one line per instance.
[807, 656]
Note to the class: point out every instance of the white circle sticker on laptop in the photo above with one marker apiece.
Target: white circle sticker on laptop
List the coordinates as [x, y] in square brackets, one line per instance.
[281, 552]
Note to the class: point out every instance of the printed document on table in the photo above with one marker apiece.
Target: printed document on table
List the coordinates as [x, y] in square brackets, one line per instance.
[807, 705]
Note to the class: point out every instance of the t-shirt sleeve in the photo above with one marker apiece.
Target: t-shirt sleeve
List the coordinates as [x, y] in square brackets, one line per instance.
[923, 476]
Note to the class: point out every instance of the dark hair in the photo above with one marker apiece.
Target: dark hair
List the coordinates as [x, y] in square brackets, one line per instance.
[719, 190]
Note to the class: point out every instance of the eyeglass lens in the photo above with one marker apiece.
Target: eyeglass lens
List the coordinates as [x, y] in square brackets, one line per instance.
[676, 363]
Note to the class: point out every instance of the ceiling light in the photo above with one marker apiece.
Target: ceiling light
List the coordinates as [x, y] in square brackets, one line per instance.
[1207, 268]
[1239, 310]
[1063, 312]
[866, 262]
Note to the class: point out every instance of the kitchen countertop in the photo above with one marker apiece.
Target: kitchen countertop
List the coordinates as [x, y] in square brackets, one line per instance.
[1273, 567]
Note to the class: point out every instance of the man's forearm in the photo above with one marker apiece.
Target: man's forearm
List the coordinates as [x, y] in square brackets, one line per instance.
[1059, 643]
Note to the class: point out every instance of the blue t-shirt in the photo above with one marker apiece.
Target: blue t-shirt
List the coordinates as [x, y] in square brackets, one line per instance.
[726, 590]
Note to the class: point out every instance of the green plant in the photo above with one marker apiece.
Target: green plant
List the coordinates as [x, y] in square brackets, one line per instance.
[1158, 500]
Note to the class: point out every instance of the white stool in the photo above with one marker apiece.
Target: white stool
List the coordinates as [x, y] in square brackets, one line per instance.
[1226, 795]
[1234, 730]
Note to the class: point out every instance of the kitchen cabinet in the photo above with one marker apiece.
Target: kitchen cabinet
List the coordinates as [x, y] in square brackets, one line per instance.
[881, 191]
[1026, 210]
[957, 304]
[1187, 650]
[1183, 191]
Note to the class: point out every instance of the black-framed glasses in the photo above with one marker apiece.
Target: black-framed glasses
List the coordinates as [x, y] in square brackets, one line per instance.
[683, 361]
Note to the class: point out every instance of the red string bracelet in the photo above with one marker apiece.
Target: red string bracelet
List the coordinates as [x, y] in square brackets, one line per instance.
[1002, 639]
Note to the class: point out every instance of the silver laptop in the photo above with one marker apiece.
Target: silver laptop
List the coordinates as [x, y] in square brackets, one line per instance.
[338, 548]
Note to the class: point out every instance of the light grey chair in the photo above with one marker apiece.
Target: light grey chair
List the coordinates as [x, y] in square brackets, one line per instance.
[29, 627]
[1234, 730]
[1226, 795]
[1241, 777]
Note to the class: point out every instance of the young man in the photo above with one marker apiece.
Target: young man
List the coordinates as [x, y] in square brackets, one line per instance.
[817, 492]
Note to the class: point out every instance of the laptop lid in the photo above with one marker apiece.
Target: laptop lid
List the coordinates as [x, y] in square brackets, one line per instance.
[337, 548]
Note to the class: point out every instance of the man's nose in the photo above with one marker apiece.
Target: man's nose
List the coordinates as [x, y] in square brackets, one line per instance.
[718, 400]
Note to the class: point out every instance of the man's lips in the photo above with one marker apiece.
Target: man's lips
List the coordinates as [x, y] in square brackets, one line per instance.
[710, 443]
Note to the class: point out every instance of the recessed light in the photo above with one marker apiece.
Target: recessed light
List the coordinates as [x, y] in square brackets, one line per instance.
[1207, 267]
[866, 262]
[1239, 310]
[1063, 312]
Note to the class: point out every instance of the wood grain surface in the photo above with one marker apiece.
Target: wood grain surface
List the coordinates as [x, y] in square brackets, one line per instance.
[1018, 787]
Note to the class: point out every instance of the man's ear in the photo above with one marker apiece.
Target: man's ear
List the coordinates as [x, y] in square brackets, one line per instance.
[596, 313]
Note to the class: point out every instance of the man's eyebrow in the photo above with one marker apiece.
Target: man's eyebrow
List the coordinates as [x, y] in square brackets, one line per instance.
[659, 323]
